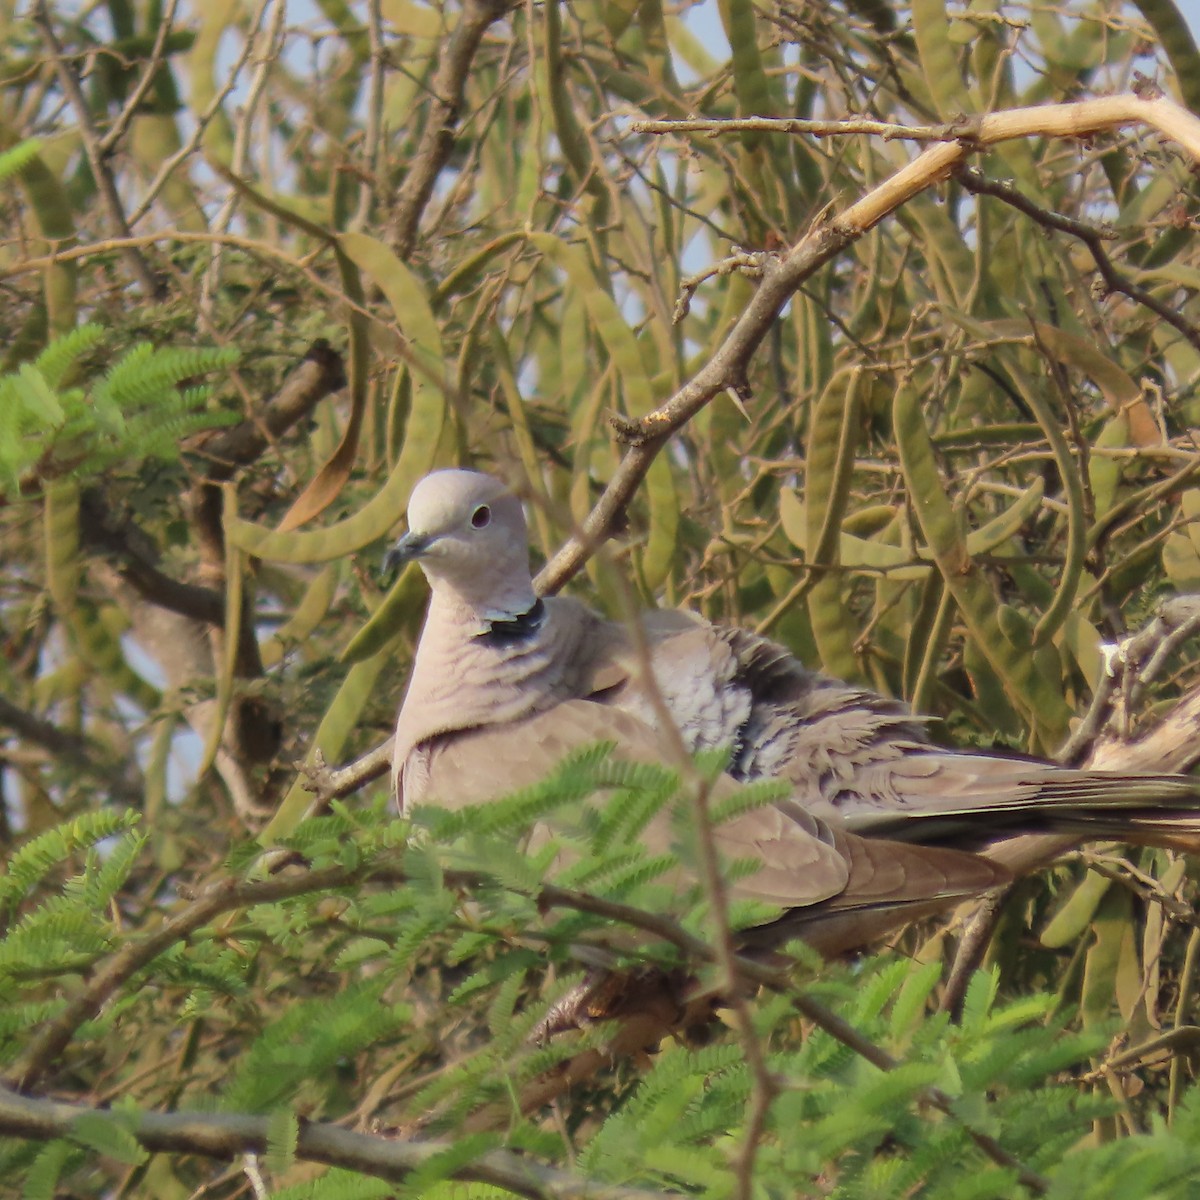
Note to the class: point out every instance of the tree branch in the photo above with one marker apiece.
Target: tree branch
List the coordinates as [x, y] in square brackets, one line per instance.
[437, 138]
[67, 747]
[220, 897]
[1093, 238]
[847, 127]
[320, 374]
[95, 151]
[229, 1135]
[783, 274]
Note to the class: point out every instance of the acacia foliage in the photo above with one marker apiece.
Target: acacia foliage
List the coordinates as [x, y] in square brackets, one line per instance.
[1017, 351]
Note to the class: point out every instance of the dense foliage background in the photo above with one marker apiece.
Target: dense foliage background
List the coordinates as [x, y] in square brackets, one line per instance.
[264, 265]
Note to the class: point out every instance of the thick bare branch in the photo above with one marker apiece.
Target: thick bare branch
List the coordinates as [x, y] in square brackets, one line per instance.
[783, 274]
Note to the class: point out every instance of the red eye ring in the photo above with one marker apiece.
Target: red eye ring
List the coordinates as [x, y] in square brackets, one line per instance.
[481, 517]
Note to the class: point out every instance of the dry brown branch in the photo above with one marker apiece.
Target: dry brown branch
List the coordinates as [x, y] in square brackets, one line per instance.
[437, 138]
[229, 1136]
[96, 152]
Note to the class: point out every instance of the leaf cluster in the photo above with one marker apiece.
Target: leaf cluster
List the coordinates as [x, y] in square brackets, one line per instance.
[413, 997]
[141, 408]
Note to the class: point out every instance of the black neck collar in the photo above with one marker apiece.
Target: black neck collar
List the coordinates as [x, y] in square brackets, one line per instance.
[515, 628]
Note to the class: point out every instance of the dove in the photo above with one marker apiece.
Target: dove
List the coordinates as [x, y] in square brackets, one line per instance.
[880, 824]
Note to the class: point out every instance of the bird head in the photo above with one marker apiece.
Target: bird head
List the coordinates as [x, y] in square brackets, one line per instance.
[467, 531]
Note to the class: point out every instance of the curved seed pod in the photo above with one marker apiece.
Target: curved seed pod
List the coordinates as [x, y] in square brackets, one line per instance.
[920, 692]
[373, 521]
[952, 262]
[424, 358]
[1075, 914]
[833, 436]
[1071, 575]
[900, 563]
[522, 435]
[398, 612]
[217, 138]
[465, 273]
[97, 644]
[328, 482]
[1036, 697]
[306, 616]
[1172, 29]
[939, 58]
[750, 83]
[51, 210]
[423, 430]
[1111, 968]
[235, 566]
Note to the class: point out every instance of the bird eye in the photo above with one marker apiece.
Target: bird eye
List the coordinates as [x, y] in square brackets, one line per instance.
[481, 516]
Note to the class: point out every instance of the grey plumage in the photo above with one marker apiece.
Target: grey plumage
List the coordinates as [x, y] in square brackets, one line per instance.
[881, 824]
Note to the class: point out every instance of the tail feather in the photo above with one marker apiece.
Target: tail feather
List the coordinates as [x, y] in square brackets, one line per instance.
[1086, 805]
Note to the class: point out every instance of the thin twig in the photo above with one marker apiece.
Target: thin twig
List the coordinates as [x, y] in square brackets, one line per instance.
[96, 155]
[108, 143]
[204, 119]
[846, 127]
[373, 133]
[845, 1033]
[241, 147]
[1093, 237]
[66, 747]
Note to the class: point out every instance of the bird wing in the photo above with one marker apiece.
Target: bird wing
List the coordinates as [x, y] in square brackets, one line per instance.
[800, 860]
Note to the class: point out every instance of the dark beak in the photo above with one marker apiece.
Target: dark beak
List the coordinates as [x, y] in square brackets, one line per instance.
[409, 547]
